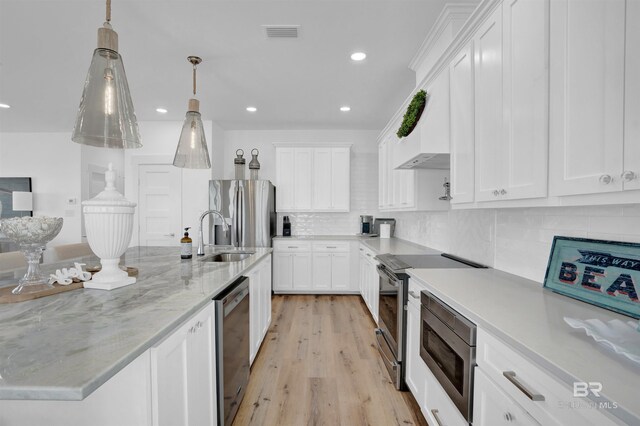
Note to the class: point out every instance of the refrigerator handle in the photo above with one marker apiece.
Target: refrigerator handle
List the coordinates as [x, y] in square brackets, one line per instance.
[239, 218]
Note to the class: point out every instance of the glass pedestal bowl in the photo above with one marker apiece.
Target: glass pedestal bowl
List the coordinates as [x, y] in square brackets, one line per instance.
[31, 234]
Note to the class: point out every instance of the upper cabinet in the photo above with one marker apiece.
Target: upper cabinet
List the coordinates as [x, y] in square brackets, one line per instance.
[313, 178]
[462, 126]
[511, 86]
[631, 173]
[587, 95]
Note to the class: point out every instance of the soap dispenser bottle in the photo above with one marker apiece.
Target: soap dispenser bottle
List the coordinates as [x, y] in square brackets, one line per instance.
[186, 245]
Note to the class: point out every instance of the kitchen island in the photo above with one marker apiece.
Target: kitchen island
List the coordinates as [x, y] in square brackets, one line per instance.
[66, 346]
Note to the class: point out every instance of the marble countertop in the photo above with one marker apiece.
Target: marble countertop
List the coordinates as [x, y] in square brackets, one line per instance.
[323, 237]
[65, 346]
[530, 319]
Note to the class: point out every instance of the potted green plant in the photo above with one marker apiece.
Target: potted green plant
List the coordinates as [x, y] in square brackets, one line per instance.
[414, 111]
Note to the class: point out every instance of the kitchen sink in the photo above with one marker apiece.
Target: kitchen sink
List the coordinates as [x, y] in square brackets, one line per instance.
[228, 257]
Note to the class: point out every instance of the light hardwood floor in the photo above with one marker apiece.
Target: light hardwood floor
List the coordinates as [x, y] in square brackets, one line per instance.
[319, 365]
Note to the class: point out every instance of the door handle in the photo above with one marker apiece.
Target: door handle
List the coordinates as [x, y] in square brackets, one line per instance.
[511, 376]
[435, 416]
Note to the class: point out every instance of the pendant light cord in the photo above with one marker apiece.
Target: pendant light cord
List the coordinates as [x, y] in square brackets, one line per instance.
[109, 11]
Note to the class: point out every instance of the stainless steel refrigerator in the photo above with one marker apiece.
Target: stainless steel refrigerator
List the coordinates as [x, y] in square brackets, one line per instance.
[249, 206]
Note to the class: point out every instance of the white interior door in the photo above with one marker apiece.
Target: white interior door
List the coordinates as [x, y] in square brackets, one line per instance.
[159, 204]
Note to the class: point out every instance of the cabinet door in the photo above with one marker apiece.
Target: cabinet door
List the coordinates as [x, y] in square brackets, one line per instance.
[415, 373]
[169, 380]
[489, 147]
[631, 176]
[265, 282]
[201, 370]
[340, 178]
[322, 179]
[406, 189]
[381, 176]
[302, 271]
[462, 127]
[322, 271]
[284, 179]
[374, 286]
[302, 167]
[493, 407]
[341, 272]
[526, 88]
[255, 302]
[283, 271]
[587, 40]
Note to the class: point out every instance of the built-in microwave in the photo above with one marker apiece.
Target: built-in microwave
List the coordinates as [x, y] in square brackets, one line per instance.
[448, 347]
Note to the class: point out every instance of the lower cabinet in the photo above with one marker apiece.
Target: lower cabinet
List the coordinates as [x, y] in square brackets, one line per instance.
[368, 280]
[259, 304]
[321, 267]
[493, 407]
[415, 368]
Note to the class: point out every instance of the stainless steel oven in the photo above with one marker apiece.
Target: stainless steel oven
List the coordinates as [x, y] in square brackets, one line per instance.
[390, 335]
[448, 347]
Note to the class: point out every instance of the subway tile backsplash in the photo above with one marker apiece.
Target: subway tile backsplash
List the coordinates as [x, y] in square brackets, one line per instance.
[517, 241]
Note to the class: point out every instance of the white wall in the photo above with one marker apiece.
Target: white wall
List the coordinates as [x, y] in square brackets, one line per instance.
[364, 173]
[160, 138]
[517, 240]
[53, 162]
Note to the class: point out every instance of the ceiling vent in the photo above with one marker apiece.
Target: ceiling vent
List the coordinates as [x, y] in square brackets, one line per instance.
[282, 31]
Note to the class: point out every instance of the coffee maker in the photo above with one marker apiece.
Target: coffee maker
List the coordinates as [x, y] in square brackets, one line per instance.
[366, 225]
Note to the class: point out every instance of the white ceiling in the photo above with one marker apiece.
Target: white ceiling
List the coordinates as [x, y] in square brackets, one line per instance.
[46, 48]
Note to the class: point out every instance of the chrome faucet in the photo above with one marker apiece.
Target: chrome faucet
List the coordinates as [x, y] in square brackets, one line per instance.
[225, 227]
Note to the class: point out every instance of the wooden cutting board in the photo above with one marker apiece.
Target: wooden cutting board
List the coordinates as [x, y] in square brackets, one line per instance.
[7, 297]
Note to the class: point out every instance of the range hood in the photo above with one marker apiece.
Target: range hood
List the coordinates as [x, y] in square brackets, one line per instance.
[427, 147]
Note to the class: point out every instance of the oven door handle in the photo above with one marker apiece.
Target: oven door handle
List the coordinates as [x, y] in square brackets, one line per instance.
[393, 280]
[392, 363]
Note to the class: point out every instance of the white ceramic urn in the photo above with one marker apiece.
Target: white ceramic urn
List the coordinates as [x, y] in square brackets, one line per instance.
[108, 219]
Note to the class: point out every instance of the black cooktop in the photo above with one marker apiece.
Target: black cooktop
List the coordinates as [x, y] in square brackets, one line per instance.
[398, 263]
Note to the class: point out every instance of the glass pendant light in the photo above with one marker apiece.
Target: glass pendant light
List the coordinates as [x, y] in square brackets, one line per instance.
[192, 151]
[106, 117]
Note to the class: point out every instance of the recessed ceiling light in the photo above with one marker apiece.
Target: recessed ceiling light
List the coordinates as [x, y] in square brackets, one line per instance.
[5, 106]
[252, 109]
[161, 110]
[345, 108]
[358, 56]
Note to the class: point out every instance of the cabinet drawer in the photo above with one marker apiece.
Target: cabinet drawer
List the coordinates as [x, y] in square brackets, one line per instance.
[290, 246]
[331, 247]
[548, 400]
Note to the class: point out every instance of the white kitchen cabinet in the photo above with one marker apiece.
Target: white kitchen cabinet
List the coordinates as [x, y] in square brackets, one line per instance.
[488, 107]
[415, 367]
[282, 271]
[322, 271]
[587, 77]
[340, 271]
[301, 263]
[511, 85]
[493, 407]
[331, 266]
[302, 182]
[313, 178]
[183, 374]
[369, 283]
[631, 173]
[260, 304]
[462, 126]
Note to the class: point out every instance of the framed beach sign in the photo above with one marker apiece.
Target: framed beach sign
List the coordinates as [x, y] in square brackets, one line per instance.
[602, 273]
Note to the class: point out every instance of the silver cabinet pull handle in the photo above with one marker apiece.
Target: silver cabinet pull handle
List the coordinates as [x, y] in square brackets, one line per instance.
[368, 254]
[414, 295]
[511, 376]
[332, 247]
[435, 416]
[508, 417]
[605, 179]
[628, 175]
[495, 192]
[292, 246]
[503, 191]
[170, 235]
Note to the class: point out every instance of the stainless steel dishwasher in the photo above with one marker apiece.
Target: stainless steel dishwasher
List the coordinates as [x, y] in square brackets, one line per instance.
[232, 348]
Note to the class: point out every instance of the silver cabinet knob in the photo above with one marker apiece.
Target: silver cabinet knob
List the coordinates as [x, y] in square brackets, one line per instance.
[628, 175]
[503, 191]
[606, 179]
[508, 417]
[495, 193]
